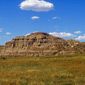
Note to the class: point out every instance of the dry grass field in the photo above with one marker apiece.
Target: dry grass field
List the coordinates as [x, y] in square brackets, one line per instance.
[60, 70]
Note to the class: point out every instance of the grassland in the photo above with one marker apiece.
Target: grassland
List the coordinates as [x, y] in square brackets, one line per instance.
[60, 70]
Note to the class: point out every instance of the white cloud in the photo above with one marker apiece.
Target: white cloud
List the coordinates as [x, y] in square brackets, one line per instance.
[27, 34]
[30, 33]
[36, 5]
[8, 33]
[54, 18]
[77, 32]
[81, 37]
[61, 34]
[35, 17]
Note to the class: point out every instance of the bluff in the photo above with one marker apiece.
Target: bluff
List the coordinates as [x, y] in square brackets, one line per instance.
[41, 44]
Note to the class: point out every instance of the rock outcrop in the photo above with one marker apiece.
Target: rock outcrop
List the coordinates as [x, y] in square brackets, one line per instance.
[40, 44]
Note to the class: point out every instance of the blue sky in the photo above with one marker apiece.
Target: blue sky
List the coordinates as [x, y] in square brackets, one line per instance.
[63, 18]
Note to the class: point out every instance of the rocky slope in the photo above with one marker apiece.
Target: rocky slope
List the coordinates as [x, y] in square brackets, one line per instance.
[41, 44]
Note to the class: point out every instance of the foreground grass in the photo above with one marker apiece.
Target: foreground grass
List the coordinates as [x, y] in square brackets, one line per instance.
[62, 70]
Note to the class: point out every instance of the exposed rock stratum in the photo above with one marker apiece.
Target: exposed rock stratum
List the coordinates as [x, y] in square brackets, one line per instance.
[41, 44]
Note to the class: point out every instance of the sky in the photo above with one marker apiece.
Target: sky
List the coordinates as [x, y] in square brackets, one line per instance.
[62, 18]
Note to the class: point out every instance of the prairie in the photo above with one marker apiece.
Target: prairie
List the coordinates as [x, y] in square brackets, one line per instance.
[60, 70]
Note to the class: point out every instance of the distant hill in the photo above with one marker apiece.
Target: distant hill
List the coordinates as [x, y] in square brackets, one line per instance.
[41, 44]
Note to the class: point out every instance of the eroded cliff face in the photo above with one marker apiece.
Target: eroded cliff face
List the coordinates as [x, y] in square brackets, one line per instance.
[39, 44]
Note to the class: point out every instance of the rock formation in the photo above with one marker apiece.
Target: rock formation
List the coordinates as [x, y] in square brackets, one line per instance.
[40, 44]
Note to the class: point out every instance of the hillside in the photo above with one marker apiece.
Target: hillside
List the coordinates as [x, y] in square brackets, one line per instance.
[41, 44]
